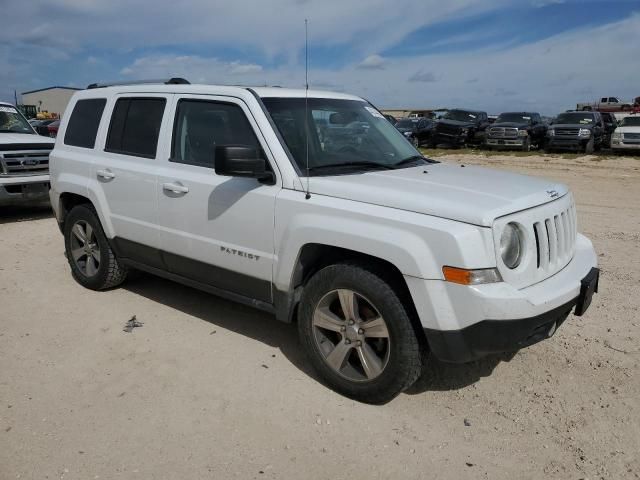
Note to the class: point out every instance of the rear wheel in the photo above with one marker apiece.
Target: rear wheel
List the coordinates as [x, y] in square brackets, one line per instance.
[93, 263]
[357, 334]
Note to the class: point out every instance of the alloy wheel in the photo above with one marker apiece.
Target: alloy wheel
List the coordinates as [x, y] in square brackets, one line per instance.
[351, 335]
[85, 250]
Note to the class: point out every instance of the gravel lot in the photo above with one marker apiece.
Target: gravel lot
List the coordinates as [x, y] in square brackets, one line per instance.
[210, 389]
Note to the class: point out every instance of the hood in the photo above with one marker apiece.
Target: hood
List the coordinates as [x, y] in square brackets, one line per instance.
[22, 138]
[629, 129]
[510, 125]
[469, 194]
[456, 123]
[572, 125]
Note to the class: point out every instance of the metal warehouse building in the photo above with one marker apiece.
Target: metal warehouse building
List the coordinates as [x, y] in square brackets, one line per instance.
[51, 99]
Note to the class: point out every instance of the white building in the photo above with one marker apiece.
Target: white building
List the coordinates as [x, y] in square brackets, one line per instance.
[51, 99]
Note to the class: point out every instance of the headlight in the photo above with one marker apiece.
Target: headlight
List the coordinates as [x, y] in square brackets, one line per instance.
[464, 131]
[617, 136]
[523, 133]
[551, 132]
[511, 248]
[584, 132]
[406, 134]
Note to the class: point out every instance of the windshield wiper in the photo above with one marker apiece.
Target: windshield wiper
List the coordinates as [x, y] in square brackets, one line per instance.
[413, 159]
[351, 165]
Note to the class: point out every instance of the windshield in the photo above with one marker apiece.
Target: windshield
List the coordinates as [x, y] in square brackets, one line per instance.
[574, 118]
[12, 121]
[407, 123]
[342, 133]
[461, 116]
[630, 122]
[513, 117]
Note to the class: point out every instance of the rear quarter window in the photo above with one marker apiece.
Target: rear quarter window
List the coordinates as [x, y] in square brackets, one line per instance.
[83, 123]
[135, 126]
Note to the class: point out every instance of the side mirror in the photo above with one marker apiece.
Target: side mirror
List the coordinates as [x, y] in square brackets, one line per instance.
[242, 161]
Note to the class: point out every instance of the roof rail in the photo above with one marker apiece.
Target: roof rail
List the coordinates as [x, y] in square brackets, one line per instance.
[171, 81]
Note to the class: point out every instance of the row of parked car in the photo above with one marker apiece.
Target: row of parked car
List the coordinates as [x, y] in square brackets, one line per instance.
[582, 131]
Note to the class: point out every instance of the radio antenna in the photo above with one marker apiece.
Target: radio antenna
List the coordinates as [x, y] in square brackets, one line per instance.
[306, 102]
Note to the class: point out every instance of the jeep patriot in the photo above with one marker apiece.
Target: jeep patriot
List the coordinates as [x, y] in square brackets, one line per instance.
[313, 207]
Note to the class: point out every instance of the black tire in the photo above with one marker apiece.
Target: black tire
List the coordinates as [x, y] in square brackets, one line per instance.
[589, 147]
[526, 145]
[415, 141]
[108, 272]
[403, 360]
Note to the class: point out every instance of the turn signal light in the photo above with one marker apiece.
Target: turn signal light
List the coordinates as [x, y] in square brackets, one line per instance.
[463, 276]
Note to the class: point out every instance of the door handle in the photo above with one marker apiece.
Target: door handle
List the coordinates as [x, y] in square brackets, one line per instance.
[175, 188]
[106, 174]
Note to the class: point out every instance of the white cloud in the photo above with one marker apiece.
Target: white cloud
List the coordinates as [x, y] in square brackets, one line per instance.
[372, 62]
[244, 68]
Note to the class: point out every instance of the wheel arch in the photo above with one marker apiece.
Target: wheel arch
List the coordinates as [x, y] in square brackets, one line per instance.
[313, 257]
[66, 203]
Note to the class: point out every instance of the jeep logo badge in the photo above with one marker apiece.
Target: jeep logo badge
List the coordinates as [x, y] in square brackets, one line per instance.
[28, 162]
[553, 193]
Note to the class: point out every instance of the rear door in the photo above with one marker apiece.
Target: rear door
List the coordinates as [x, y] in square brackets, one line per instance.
[216, 230]
[125, 174]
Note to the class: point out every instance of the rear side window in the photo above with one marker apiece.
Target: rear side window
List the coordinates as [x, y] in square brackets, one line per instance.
[135, 126]
[84, 122]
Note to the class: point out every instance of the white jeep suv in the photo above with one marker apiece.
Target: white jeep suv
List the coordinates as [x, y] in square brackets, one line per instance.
[316, 209]
[24, 159]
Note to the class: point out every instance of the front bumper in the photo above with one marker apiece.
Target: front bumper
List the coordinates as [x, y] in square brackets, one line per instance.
[21, 190]
[572, 143]
[499, 316]
[622, 146]
[505, 142]
[451, 139]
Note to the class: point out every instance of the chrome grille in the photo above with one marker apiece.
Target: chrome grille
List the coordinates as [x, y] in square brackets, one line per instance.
[567, 132]
[502, 132]
[24, 163]
[555, 239]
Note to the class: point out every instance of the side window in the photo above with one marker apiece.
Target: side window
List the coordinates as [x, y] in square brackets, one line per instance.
[613, 100]
[83, 124]
[201, 126]
[603, 100]
[135, 126]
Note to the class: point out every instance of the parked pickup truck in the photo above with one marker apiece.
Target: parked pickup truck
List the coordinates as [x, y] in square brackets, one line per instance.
[459, 128]
[380, 255]
[607, 104]
[626, 138]
[520, 130]
[24, 159]
[577, 131]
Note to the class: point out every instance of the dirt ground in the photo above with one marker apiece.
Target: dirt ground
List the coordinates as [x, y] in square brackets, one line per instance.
[210, 389]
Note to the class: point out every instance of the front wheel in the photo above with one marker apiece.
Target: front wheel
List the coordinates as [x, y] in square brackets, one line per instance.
[589, 146]
[357, 334]
[415, 141]
[526, 145]
[93, 263]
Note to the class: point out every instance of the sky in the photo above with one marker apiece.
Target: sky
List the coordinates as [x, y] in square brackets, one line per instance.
[493, 55]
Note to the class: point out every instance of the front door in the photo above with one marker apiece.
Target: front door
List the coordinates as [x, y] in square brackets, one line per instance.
[216, 230]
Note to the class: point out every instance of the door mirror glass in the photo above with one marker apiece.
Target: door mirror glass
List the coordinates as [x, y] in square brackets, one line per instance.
[241, 161]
